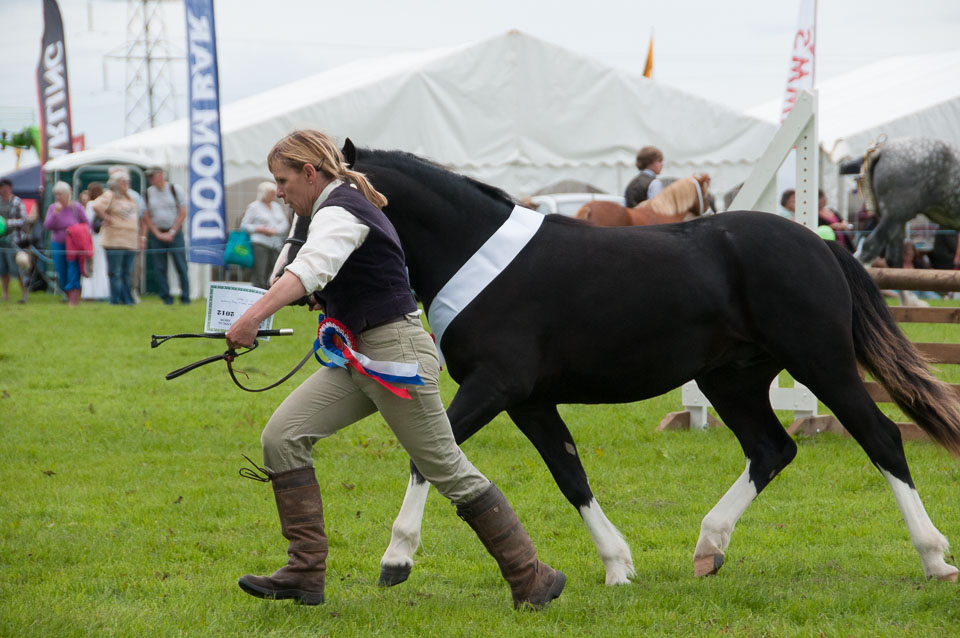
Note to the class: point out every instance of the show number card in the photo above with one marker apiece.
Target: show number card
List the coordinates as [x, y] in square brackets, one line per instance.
[226, 302]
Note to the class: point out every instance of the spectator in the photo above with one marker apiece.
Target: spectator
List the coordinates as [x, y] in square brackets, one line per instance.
[136, 270]
[267, 224]
[163, 219]
[61, 215]
[916, 259]
[97, 285]
[646, 185]
[119, 233]
[15, 218]
[788, 204]
[828, 217]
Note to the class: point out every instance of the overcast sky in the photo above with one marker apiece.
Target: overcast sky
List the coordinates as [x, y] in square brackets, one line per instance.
[734, 51]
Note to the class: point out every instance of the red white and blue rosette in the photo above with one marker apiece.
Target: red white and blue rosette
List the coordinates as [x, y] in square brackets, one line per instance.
[339, 346]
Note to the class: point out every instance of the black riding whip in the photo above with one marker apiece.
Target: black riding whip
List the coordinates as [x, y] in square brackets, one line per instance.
[229, 356]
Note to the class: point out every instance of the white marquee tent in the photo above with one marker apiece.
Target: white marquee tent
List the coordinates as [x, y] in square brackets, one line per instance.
[906, 95]
[511, 110]
[898, 96]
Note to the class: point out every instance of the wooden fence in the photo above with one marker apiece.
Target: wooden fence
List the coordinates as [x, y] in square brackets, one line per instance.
[942, 281]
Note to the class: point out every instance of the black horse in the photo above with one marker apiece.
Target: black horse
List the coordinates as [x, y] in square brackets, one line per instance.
[729, 300]
[900, 179]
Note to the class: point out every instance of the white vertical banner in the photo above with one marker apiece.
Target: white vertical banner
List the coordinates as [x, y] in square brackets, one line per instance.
[800, 75]
[802, 60]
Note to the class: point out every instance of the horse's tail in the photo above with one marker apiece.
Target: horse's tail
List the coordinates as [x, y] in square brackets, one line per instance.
[865, 181]
[886, 353]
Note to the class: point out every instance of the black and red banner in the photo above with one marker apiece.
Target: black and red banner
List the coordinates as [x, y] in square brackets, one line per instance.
[52, 87]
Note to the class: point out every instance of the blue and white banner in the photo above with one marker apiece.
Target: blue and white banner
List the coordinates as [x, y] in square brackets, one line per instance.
[207, 212]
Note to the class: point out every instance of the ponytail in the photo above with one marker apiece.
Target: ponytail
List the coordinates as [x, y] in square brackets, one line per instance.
[359, 180]
[308, 146]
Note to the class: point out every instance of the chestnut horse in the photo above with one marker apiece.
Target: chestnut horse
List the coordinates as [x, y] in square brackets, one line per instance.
[683, 199]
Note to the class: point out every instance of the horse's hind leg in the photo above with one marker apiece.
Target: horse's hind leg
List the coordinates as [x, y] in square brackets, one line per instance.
[741, 398]
[549, 434]
[880, 438]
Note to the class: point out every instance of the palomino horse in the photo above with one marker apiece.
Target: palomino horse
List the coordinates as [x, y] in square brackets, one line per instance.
[903, 178]
[498, 282]
[681, 200]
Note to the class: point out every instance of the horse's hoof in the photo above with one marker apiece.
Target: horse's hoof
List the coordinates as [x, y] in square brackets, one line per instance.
[950, 576]
[707, 565]
[391, 575]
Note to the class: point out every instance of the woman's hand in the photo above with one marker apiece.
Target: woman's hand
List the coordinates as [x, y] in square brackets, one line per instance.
[242, 332]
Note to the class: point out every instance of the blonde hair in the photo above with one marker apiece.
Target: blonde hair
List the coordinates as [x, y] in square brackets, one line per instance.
[308, 146]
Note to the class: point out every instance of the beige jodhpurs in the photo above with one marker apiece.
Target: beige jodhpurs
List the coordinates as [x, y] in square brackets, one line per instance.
[333, 398]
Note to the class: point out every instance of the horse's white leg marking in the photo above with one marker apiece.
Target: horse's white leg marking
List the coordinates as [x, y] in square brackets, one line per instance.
[406, 528]
[613, 550]
[928, 541]
[717, 525]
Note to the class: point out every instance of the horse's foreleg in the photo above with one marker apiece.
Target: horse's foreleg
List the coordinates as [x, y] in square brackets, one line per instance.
[883, 238]
[397, 561]
[927, 539]
[466, 417]
[549, 434]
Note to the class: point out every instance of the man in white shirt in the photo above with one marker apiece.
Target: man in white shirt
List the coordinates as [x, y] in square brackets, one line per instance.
[163, 216]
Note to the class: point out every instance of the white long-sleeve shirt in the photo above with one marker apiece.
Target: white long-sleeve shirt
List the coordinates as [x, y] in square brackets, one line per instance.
[334, 234]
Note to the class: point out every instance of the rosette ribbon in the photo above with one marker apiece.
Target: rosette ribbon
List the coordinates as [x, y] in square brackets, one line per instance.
[339, 346]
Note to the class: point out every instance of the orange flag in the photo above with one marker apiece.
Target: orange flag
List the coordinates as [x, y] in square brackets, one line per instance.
[648, 67]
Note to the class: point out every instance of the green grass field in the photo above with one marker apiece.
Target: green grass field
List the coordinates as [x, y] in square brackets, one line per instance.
[123, 513]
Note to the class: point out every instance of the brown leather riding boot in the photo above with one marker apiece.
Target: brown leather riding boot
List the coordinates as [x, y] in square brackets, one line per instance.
[531, 582]
[301, 522]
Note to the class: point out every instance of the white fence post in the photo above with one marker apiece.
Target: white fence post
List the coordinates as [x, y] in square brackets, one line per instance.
[759, 192]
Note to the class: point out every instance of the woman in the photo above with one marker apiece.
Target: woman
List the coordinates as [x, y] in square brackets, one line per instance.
[119, 233]
[61, 215]
[97, 285]
[266, 223]
[826, 216]
[352, 256]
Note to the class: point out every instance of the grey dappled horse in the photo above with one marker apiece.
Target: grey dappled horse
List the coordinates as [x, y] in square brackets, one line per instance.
[900, 179]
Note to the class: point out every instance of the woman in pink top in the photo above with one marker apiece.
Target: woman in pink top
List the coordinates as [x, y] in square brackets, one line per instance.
[61, 215]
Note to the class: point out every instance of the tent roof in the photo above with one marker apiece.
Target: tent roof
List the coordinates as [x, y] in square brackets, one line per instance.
[509, 110]
[905, 95]
[99, 155]
[27, 181]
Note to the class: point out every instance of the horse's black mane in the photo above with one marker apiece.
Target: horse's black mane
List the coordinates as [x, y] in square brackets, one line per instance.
[411, 164]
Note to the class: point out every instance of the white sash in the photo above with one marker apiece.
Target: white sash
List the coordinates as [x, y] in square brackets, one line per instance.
[478, 271]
